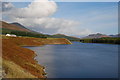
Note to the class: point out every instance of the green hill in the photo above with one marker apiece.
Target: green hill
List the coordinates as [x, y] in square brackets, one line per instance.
[8, 28]
[20, 30]
[71, 38]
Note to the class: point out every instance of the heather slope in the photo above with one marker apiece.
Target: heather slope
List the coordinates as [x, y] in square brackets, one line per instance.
[13, 27]
[22, 59]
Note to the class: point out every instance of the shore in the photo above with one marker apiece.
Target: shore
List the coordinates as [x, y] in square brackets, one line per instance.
[19, 62]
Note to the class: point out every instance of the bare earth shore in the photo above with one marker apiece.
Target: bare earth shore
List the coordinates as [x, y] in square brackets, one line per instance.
[18, 62]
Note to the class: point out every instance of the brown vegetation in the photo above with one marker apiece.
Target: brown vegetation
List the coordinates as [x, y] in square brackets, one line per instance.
[14, 54]
[12, 27]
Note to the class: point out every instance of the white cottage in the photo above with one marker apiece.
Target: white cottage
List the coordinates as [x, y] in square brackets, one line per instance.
[12, 35]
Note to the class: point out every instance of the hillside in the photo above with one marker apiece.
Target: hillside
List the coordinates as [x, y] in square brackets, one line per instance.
[105, 40]
[98, 35]
[20, 30]
[19, 62]
[13, 27]
[117, 35]
[21, 26]
[71, 38]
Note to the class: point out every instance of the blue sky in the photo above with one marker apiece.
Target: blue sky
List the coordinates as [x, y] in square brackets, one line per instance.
[98, 17]
[84, 12]
[21, 4]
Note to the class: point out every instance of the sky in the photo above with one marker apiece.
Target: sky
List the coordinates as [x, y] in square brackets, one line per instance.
[70, 18]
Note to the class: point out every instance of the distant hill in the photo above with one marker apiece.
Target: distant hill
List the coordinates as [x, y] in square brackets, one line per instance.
[117, 35]
[20, 30]
[98, 35]
[71, 38]
[14, 27]
[18, 24]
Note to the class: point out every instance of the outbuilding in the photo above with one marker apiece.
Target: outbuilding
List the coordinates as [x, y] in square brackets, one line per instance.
[12, 35]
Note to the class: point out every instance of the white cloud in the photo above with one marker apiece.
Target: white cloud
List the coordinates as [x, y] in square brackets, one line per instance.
[36, 16]
[53, 26]
[6, 6]
[37, 10]
[34, 10]
[75, 31]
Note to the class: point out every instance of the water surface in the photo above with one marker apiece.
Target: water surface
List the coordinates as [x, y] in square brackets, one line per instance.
[79, 60]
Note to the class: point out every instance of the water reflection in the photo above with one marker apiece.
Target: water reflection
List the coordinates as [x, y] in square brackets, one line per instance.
[79, 60]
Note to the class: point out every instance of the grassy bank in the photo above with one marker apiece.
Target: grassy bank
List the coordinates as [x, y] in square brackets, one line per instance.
[102, 40]
[18, 62]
